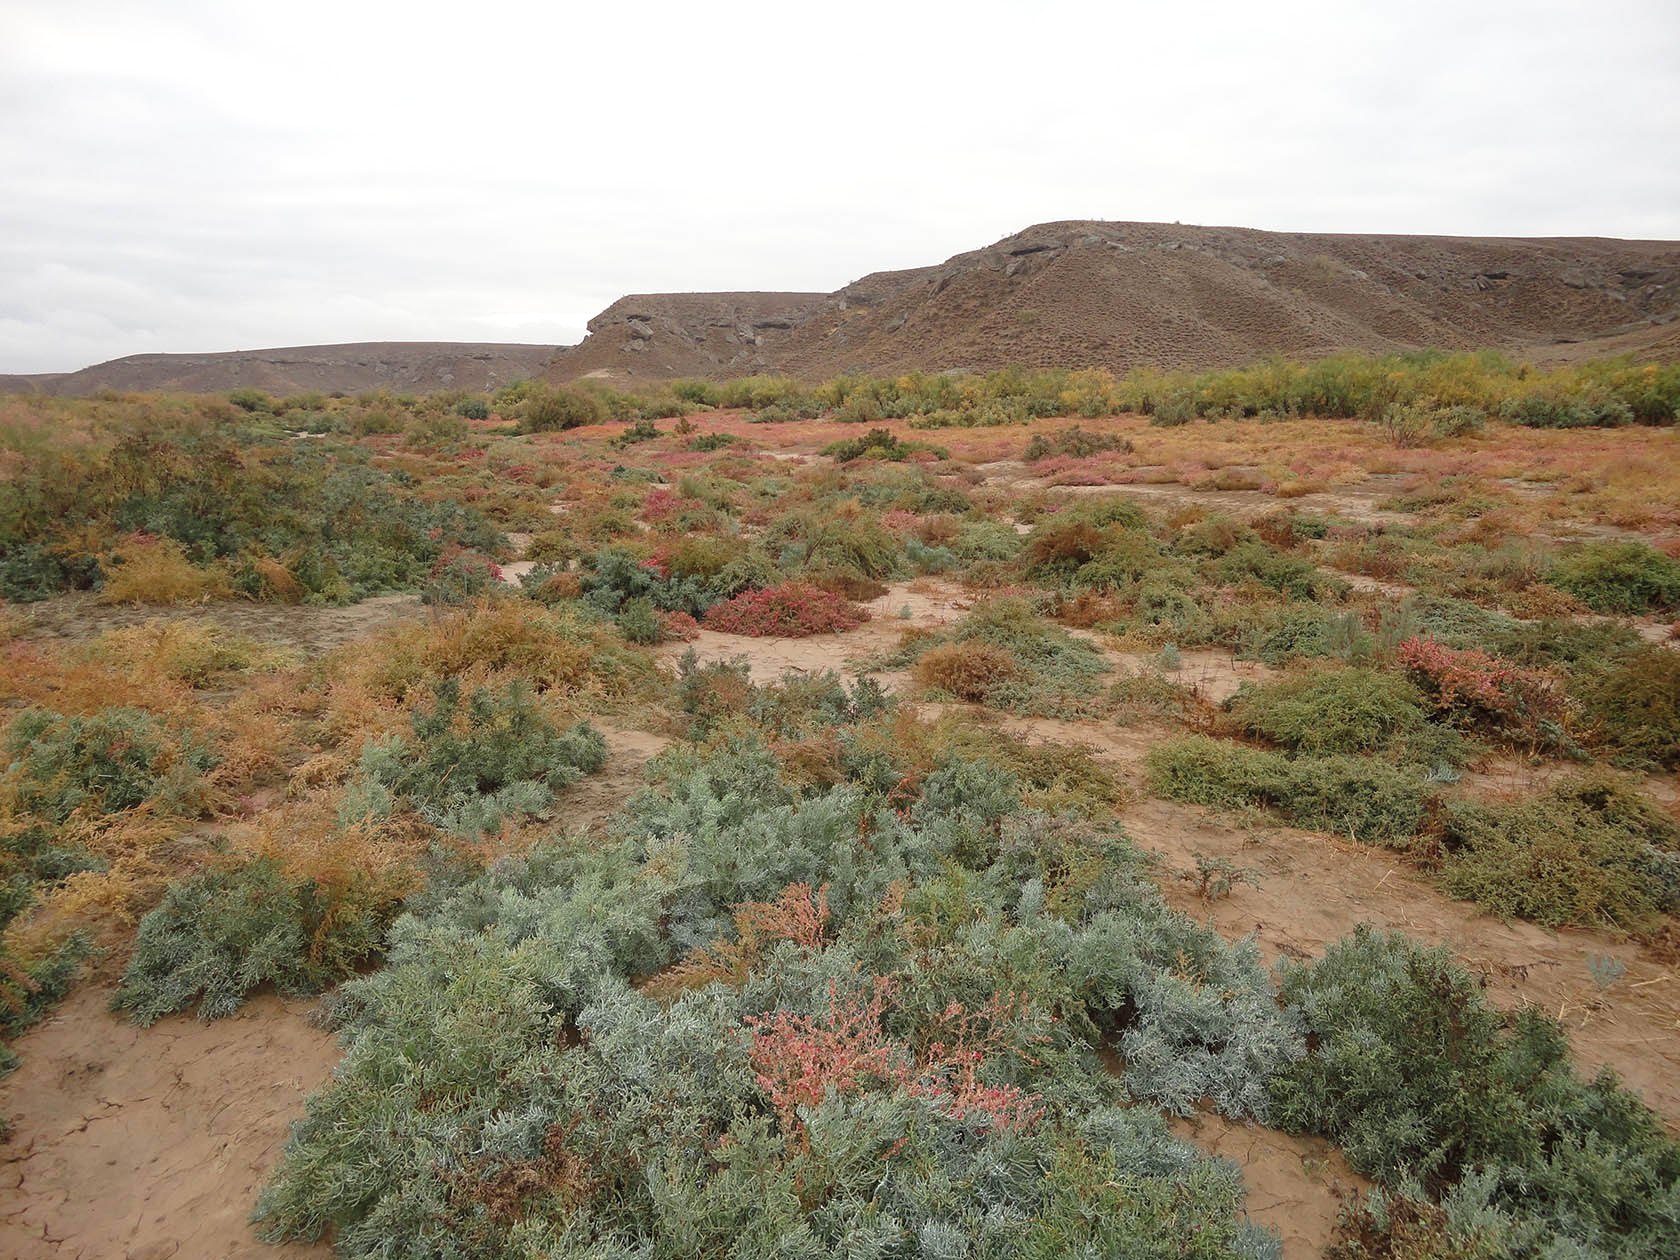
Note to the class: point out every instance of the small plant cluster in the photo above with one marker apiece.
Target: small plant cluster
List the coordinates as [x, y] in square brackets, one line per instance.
[1004, 655]
[1477, 691]
[881, 444]
[221, 934]
[1073, 443]
[788, 610]
[473, 763]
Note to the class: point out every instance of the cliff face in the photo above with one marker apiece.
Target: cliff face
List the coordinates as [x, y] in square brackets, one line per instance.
[1121, 295]
[664, 335]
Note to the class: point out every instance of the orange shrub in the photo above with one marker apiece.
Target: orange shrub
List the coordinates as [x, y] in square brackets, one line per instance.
[967, 670]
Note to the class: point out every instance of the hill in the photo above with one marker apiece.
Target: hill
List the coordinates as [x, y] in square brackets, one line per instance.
[406, 366]
[1121, 295]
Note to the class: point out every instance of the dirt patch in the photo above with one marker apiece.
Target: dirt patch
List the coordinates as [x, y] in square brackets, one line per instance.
[590, 801]
[931, 603]
[1296, 1185]
[145, 1144]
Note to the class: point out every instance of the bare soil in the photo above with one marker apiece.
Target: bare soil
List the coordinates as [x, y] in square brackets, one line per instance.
[145, 1144]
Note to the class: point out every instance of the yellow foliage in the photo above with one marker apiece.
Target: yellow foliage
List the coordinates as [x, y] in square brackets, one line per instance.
[158, 572]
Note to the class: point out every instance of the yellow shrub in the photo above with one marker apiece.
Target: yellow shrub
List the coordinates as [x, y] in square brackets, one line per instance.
[158, 572]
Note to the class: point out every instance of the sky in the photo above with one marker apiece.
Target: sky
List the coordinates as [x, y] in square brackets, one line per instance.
[177, 175]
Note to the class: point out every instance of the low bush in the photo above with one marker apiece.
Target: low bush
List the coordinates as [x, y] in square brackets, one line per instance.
[1588, 851]
[1632, 707]
[881, 444]
[1073, 443]
[910, 1041]
[1477, 691]
[1542, 411]
[1346, 711]
[460, 576]
[223, 933]
[1355, 796]
[550, 409]
[1051, 673]
[113, 760]
[1619, 577]
[968, 671]
[472, 766]
[789, 610]
[1427, 1086]
[148, 570]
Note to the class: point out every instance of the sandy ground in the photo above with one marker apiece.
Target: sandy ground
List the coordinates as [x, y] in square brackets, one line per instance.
[145, 1144]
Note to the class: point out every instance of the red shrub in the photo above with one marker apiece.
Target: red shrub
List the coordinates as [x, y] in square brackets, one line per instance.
[799, 1058]
[678, 625]
[1473, 688]
[791, 610]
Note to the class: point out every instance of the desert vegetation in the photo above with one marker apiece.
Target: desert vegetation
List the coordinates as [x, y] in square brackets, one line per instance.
[717, 819]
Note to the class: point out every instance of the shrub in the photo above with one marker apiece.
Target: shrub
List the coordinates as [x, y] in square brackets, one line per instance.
[1586, 852]
[459, 576]
[473, 409]
[157, 571]
[114, 760]
[221, 934]
[1473, 689]
[1369, 800]
[560, 408]
[968, 671]
[876, 444]
[789, 610]
[1420, 1081]
[1619, 577]
[1074, 443]
[1633, 706]
[639, 622]
[1540, 411]
[253, 400]
[909, 1042]
[473, 766]
[33, 572]
[1345, 711]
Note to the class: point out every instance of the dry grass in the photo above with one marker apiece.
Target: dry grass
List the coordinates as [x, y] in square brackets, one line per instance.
[157, 571]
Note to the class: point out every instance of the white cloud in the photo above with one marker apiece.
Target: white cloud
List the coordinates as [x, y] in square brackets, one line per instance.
[185, 175]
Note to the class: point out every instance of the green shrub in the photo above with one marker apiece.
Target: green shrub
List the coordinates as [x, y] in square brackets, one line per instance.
[1588, 851]
[1619, 577]
[1540, 411]
[639, 622]
[547, 410]
[911, 1044]
[252, 400]
[111, 761]
[1346, 711]
[470, 766]
[1357, 796]
[1421, 1081]
[473, 409]
[223, 933]
[1073, 443]
[1633, 707]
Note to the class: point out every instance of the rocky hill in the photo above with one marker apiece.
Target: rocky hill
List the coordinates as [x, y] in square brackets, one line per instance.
[1071, 294]
[1120, 295]
[404, 366]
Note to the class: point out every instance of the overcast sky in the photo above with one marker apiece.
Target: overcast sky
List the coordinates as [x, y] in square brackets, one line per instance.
[185, 176]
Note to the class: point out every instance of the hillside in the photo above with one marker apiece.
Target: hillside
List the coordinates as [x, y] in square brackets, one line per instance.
[405, 366]
[1121, 295]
